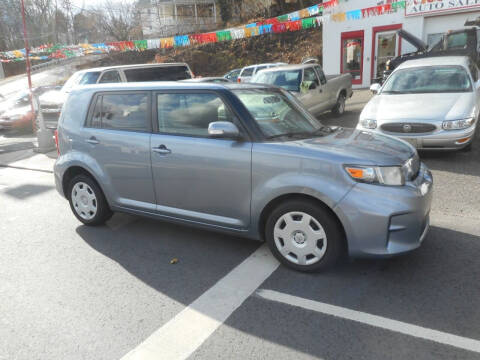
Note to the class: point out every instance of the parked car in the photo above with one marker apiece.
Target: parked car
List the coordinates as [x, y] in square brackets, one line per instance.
[16, 111]
[232, 75]
[432, 103]
[463, 42]
[317, 92]
[51, 103]
[242, 159]
[249, 71]
[210, 79]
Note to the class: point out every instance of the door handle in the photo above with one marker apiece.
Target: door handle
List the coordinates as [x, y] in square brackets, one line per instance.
[93, 140]
[162, 149]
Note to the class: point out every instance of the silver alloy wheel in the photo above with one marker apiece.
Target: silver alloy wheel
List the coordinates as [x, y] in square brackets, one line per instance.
[300, 238]
[84, 201]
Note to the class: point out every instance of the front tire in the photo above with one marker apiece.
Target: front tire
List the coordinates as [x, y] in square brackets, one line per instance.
[304, 236]
[339, 108]
[87, 201]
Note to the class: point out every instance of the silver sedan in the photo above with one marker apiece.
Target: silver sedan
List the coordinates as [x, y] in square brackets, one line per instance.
[431, 103]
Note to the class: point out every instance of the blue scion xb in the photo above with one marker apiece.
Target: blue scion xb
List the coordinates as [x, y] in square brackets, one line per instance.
[244, 159]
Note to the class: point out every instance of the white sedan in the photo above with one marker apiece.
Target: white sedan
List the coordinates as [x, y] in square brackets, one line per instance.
[432, 103]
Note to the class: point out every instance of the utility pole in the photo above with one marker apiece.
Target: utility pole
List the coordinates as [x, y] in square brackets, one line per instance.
[29, 68]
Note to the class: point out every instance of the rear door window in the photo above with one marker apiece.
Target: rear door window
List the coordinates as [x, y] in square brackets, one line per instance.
[125, 111]
[110, 77]
[166, 73]
[247, 72]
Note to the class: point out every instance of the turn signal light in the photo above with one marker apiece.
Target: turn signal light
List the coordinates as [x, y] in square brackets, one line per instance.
[355, 173]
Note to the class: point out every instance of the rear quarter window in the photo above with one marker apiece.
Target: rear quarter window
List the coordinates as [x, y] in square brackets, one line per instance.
[167, 73]
[122, 111]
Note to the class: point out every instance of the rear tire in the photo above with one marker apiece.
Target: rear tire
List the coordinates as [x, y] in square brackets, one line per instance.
[87, 201]
[304, 236]
[339, 108]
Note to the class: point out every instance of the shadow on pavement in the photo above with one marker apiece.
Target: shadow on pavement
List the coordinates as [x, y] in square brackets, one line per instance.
[426, 287]
[25, 191]
[145, 247]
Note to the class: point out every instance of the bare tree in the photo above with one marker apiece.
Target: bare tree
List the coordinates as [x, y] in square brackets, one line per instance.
[119, 19]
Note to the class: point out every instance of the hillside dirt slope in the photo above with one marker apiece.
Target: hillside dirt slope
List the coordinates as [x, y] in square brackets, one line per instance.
[218, 58]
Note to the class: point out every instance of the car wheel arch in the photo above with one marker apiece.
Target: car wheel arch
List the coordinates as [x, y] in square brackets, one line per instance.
[73, 171]
[272, 204]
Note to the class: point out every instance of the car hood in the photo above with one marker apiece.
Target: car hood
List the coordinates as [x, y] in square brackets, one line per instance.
[426, 107]
[350, 146]
[54, 97]
[412, 39]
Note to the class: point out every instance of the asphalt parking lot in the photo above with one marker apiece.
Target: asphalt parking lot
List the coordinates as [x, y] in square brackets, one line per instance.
[73, 292]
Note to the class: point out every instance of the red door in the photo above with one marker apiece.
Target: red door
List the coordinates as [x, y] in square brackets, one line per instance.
[351, 58]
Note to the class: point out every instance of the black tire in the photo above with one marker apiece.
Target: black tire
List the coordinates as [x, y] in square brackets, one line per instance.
[102, 213]
[339, 108]
[335, 238]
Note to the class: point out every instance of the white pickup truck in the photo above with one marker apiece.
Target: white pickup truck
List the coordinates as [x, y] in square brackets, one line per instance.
[317, 92]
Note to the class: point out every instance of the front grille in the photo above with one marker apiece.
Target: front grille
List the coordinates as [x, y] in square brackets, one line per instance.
[408, 128]
[51, 116]
[50, 106]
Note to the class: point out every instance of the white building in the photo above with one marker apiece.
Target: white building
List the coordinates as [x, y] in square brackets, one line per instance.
[162, 18]
[363, 46]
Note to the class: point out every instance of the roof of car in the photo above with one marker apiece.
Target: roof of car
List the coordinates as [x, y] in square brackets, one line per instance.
[289, 67]
[130, 67]
[170, 85]
[206, 79]
[436, 61]
[265, 64]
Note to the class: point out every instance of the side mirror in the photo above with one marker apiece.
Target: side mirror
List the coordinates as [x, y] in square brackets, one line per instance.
[375, 88]
[223, 130]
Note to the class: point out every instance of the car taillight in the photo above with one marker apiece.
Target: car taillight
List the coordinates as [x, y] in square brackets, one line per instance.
[239, 80]
[56, 141]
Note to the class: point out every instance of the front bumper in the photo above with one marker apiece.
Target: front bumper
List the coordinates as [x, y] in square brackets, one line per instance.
[438, 140]
[382, 221]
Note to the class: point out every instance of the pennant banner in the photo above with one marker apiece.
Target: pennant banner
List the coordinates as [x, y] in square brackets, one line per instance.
[311, 17]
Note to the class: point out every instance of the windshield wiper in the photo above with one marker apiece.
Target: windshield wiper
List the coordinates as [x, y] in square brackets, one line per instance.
[324, 130]
[289, 135]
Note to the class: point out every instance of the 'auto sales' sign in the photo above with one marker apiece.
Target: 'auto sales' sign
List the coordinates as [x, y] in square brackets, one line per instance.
[425, 7]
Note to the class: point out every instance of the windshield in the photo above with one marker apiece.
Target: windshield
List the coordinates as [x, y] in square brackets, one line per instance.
[278, 113]
[288, 80]
[430, 79]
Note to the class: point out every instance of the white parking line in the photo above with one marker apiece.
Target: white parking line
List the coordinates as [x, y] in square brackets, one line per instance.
[186, 332]
[373, 320]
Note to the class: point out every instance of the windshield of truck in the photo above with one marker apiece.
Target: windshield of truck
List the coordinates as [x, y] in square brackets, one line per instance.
[429, 79]
[288, 80]
[158, 73]
[278, 114]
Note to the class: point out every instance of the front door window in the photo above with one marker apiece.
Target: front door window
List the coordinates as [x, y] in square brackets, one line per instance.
[387, 48]
[352, 56]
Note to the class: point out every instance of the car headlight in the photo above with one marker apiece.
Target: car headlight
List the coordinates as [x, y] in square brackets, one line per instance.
[458, 124]
[383, 175]
[368, 123]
